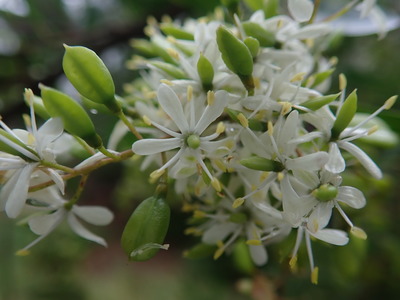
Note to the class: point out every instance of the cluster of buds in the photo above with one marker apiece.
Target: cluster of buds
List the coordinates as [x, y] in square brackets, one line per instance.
[236, 118]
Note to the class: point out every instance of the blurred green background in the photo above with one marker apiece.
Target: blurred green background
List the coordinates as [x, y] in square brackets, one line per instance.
[64, 266]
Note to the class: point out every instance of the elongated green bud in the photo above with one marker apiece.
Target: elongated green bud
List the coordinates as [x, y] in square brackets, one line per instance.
[253, 45]
[90, 76]
[262, 164]
[206, 72]
[318, 102]
[242, 258]
[170, 69]
[265, 37]
[145, 231]
[175, 32]
[75, 119]
[345, 114]
[235, 53]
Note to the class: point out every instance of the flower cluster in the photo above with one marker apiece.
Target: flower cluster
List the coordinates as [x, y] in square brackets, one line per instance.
[235, 116]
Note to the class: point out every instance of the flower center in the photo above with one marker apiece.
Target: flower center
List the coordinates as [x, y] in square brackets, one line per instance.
[193, 141]
[325, 192]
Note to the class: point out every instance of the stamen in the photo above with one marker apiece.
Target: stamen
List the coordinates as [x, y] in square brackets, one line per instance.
[238, 202]
[210, 98]
[243, 120]
[358, 232]
[342, 81]
[167, 82]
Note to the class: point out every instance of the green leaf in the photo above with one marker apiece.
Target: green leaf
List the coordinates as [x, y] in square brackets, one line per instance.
[75, 119]
[90, 76]
[345, 114]
[145, 230]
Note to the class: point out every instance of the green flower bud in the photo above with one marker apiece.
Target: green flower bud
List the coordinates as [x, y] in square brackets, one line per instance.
[318, 102]
[253, 45]
[319, 78]
[180, 34]
[262, 164]
[90, 76]
[345, 114]
[145, 231]
[235, 53]
[169, 69]
[200, 251]
[75, 119]
[265, 37]
[206, 72]
[325, 192]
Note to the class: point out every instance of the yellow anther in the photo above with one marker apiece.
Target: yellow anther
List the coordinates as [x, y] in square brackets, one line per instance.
[314, 275]
[167, 82]
[286, 108]
[218, 253]
[270, 128]
[333, 60]
[171, 39]
[28, 94]
[263, 176]
[254, 242]
[373, 129]
[279, 24]
[243, 120]
[187, 207]
[199, 214]
[151, 21]
[293, 263]
[216, 184]
[220, 165]
[280, 176]
[189, 93]
[358, 232]
[298, 77]
[257, 83]
[156, 174]
[166, 19]
[390, 102]
[149, 31]
[220, 128]
[238, 202]
[173, 53]
[342, 81]
[192, 231]
[210, 98]
[22, 252]
[147, 120]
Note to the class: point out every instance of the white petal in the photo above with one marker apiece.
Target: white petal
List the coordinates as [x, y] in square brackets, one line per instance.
[363, 158]
[320, 216]
[58, 180]
[96, 215]
[116, 135]
[332, 236]
[351, 196]
[289, 129]
[336, 163]
[48, 132]
[310, 179]
[152, 146]
[218, 233]
[314, 161]
[312, 31]
[171, 104]
[300, 10]
[211, 113]
[9, 163]
[44, 224]
[15, 191]
[258, 254]
[83, 232]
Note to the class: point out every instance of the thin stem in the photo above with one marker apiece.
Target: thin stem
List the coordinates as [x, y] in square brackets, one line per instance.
[81, 142]
[85, 170]
[57, 166]
[341, 12]
[78, 192]
[132, 128]
[107, 153]
[315, 11]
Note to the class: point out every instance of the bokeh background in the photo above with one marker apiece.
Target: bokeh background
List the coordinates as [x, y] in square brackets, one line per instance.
[63, 266]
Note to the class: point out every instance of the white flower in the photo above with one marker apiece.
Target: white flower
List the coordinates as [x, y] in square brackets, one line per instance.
[53, 210]
[33, 145]
[189, 139]
[301, 10]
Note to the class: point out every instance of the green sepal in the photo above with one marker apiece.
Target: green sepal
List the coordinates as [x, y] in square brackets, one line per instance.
[180, 34]
[318, 102]
[241, 257]
[265, 37]
[169, 69]
[206, 72]
[90, 76]
[148, 225]
[262, 164]
[253, 45]
[345, 114]
[235, 53]
[75, 119]
[200, 250]
[254, 124]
